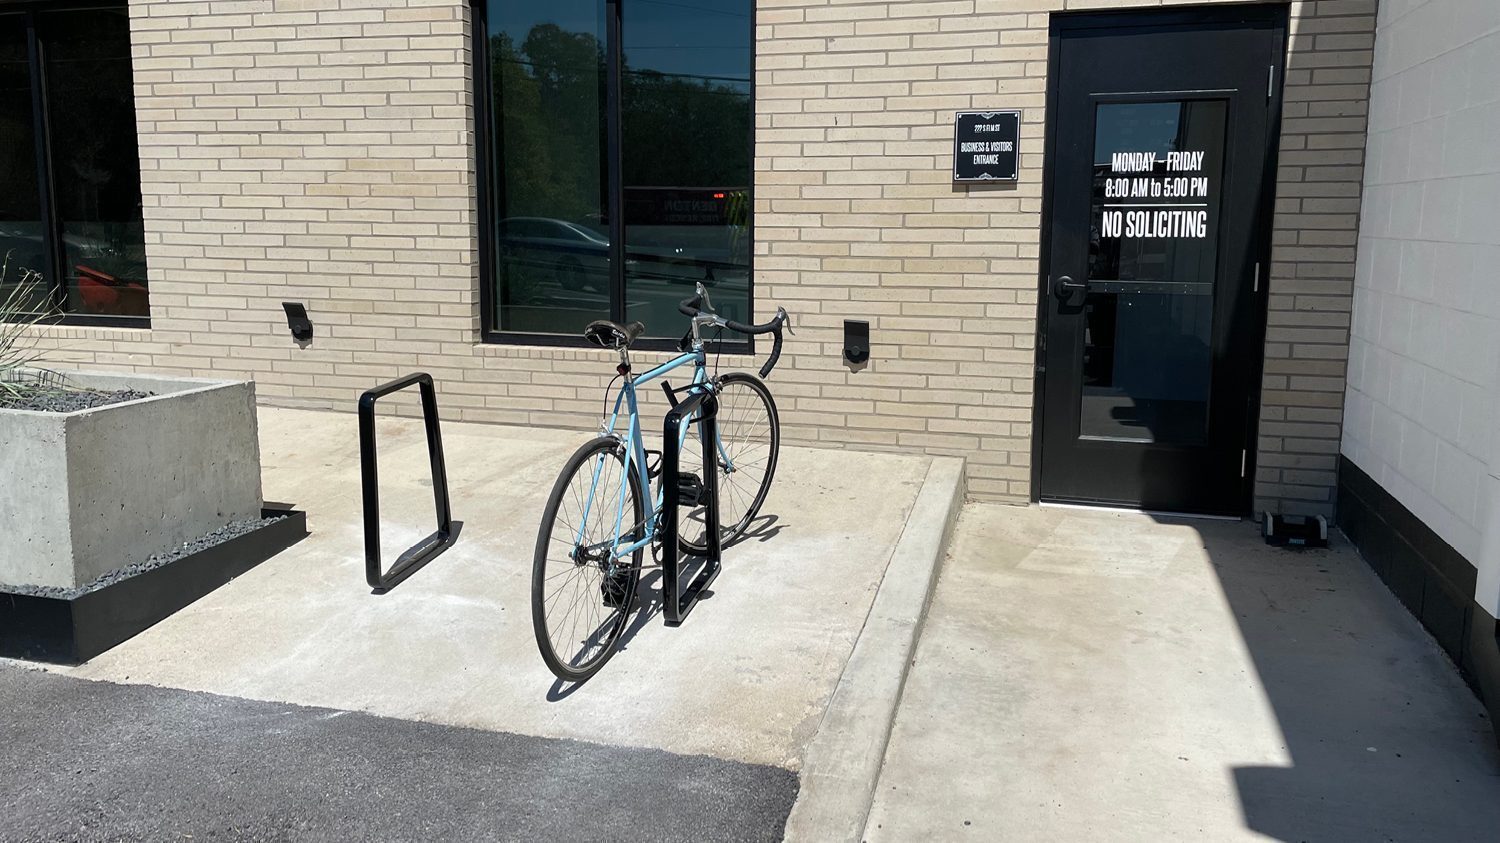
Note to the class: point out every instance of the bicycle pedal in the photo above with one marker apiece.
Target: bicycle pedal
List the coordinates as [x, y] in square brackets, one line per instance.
[689, 490]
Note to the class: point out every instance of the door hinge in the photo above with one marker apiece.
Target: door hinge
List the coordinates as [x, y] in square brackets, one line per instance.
[1255, 284]
[1244, 457]
[1270, 82]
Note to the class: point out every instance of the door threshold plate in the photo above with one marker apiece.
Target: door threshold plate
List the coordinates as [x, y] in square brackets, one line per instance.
[1133, 511]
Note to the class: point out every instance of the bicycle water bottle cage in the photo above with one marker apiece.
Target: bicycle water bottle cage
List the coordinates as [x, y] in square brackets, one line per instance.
[653, 470]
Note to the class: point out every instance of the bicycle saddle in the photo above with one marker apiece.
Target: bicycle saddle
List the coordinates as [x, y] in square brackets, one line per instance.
[607, 334]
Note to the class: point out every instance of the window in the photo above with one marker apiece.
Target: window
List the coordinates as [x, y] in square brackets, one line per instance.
[70, 194]
[616, 162]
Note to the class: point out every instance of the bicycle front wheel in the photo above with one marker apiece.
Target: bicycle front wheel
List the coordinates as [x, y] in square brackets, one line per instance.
[581, 597]
[749, 443]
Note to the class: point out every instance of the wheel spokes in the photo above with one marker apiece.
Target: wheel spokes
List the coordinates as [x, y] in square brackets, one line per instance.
[579, 623]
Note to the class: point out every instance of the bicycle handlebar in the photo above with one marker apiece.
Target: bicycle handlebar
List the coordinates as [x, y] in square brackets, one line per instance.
[693, 307]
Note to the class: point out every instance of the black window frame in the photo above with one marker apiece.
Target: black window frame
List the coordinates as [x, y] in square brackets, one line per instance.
[46, 186]
[615, 191]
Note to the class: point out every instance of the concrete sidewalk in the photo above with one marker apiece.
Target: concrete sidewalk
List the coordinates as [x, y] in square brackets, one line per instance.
[1098, 676]
[746, 678]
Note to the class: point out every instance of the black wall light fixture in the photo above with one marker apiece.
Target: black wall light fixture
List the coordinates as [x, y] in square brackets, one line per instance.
[296, 319]
[856, 342]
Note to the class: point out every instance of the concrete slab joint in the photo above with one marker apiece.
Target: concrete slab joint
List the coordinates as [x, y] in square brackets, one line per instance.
[842, 763]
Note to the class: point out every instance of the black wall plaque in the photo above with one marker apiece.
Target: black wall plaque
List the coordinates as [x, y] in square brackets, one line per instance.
[986, 145]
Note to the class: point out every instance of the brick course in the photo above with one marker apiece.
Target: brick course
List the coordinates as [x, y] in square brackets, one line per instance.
[323, 151]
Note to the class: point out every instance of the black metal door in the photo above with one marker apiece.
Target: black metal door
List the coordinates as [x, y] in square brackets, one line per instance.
[1161, 178]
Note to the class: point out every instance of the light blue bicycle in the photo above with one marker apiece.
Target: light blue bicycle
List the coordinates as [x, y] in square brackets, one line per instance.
[603, 514]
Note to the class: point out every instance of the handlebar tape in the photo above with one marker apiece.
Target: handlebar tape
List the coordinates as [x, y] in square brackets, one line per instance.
[691, 307]
[765, 370]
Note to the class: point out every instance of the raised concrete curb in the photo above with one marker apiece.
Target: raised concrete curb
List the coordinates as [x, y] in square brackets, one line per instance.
[842, 764]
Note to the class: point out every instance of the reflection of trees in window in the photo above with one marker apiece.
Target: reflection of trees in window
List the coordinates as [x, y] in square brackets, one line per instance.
[552, 123]
[685, 136]
[705, 124]
[551, 135]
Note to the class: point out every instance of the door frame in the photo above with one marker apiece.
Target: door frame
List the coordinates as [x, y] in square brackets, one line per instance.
[1059, 23]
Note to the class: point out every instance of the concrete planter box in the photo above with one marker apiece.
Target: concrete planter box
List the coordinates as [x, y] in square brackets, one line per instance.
[86, 493]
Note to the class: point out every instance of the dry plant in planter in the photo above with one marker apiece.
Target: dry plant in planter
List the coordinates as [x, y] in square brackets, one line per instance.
[21, 375]
[25, 382]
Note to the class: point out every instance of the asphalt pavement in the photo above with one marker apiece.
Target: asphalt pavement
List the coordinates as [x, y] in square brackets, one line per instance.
[85, 760]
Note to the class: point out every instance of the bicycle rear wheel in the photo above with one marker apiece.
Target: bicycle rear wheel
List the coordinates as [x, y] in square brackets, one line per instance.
[580, 597]
[749, 443]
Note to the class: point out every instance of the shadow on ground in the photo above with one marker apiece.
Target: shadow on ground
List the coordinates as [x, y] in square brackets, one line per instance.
[1089, 675]
[1385, 740]
[650, 601]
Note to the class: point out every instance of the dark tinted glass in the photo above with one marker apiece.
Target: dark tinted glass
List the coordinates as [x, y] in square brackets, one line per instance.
[550, 244]
[686, 121]
[95, 162]
[1147, 368]
[23, 246]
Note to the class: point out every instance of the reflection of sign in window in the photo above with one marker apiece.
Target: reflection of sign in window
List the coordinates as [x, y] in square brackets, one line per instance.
[986, 145]
[680, 206]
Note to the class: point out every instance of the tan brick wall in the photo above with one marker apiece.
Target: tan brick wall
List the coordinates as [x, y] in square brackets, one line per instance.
[322, 151]
[1312, 272]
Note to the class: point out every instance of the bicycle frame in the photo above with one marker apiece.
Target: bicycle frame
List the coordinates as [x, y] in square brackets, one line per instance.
[635, 452]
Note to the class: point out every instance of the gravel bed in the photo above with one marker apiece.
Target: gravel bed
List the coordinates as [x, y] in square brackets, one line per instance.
[232, 530]
[69, 400]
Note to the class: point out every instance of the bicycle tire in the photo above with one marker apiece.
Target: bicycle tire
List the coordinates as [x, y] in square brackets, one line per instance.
[731, 498]
[572, 669]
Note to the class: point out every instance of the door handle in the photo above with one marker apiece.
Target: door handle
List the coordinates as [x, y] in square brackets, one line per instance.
[1064, 287]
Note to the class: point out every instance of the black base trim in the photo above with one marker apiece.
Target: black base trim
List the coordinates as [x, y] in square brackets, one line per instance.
[51, 629]
[1484, 653]
[1432, 579]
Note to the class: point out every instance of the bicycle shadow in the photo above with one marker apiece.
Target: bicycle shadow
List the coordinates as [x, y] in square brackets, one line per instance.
[762, 528]
[651, 602]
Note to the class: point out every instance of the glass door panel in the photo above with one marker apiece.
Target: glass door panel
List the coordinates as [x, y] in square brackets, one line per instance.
[1149, 307]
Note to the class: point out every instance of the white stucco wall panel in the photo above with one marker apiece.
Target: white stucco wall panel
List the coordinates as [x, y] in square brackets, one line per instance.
[1423, 402]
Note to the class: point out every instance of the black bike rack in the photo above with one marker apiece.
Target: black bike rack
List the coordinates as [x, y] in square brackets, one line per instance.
[700, 408]
[427, 549]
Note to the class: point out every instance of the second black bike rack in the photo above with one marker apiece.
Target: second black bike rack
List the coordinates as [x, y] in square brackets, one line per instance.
[425, 550]
[699, 408]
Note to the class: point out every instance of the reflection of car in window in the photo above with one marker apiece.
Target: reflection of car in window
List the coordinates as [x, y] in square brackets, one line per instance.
[575, 256]
[679, 236]
[689, 234]
[105, 277]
